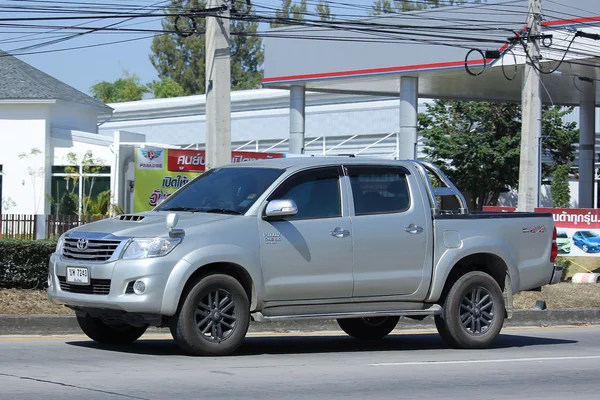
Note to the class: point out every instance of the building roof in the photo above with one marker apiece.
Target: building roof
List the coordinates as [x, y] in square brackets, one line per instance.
[441, 46]
[21, 81]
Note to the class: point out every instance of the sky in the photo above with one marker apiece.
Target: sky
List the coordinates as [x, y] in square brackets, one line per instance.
[82, 68]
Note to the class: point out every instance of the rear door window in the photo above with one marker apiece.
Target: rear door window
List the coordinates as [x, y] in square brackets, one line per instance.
[379, 189]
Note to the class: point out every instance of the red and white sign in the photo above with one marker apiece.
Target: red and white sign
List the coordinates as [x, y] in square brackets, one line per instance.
[195, 160]
[588, 218]
[578, 229]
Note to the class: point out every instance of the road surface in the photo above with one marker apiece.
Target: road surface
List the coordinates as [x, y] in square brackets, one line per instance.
[552, 363]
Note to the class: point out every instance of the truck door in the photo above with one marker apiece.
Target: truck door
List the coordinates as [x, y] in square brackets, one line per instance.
[390, 232]
[309, 256]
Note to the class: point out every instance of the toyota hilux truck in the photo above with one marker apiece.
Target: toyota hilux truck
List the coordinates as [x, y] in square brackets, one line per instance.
[361, 241]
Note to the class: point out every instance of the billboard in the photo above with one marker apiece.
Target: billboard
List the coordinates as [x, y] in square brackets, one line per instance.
[161, 172]
[578, 229]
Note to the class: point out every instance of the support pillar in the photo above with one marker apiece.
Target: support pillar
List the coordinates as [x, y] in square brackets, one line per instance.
[297, 121]
[587, 134]
[218, 89]
[409, 109]
[531, 127]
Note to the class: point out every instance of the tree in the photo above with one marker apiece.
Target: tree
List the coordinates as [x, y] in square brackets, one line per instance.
[324, 11]
[247, 55]
[477, 144]
[291, 12]
[126, 88]
[182, 59]
[35, 174]
[165, 88]
[559, 188]
[395, 6]
[558, 138]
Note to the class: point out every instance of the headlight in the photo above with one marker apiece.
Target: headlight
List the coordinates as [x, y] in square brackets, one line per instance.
[150, 247]
[59, 244]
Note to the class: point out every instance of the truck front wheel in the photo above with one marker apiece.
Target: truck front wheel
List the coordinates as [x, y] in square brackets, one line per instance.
[103, 333]
[368, 328]
[473, 312]
[213, 318]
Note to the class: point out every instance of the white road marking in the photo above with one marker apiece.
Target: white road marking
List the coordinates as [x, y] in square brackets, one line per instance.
[501, 360]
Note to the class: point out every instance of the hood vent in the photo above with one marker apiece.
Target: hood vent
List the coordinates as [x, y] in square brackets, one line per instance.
[133, 218]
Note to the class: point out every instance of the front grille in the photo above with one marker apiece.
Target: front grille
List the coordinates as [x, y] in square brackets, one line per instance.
[96, 286]
[96, 250]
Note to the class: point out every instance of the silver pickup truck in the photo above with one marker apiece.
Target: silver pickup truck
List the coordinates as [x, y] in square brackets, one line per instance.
[362, 241]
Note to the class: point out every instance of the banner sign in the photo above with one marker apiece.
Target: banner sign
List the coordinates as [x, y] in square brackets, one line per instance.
[578, 229]
[156, 179]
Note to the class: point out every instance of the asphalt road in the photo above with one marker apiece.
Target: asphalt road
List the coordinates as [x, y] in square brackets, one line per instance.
[528, 364]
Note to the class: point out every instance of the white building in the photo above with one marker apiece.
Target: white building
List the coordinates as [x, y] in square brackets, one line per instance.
[42, 122]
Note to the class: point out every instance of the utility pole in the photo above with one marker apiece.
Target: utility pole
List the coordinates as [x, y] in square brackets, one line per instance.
[531, 128]
[218, 87]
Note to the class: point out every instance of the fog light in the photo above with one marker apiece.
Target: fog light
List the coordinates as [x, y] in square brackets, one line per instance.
[49, 280]
[139, 287]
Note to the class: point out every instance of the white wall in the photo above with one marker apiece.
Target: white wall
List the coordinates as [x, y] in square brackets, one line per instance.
[74, 116]
[66, 141]
[23, 127]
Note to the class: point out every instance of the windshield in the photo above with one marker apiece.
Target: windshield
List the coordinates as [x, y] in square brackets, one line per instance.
[589, 234]
[562, 235]
[222, 190]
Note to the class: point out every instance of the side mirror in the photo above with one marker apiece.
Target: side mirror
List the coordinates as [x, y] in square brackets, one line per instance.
[281, 208]
[171, 222]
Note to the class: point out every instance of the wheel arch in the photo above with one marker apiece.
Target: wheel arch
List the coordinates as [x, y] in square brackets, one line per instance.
[488, 263]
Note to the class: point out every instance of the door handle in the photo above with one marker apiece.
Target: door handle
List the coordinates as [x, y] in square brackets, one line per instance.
[412, 228]
[340, 233]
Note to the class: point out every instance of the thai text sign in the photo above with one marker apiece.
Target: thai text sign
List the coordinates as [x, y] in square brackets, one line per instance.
[156, 179]
[578, 229]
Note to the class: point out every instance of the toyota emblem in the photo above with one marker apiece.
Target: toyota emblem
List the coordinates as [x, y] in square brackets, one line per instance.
[82, 244]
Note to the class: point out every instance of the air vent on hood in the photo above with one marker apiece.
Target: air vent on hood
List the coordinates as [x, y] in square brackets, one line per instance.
[134, 218]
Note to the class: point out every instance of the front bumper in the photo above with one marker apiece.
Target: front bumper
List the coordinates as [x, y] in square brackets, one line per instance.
[110, 286]
[556, 275]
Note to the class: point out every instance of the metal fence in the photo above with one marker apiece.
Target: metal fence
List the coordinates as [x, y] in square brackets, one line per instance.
[17, 226]
[56, 225]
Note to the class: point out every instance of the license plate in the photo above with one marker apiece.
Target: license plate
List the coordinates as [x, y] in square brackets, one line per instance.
[78, 276]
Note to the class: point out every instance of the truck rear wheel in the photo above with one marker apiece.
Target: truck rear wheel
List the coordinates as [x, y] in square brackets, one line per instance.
[103, 333]
[213, 318]
[473, 312]
[369, 328]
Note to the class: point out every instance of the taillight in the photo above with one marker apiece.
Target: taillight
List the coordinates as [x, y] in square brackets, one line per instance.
[554, 251]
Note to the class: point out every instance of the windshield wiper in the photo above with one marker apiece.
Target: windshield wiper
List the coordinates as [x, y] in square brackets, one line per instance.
[192, 209]
[220, 211]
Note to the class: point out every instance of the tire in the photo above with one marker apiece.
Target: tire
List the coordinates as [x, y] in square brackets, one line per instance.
[368, 328]
[585, 248]
[103, 333]
[213, 318]
[462, 325]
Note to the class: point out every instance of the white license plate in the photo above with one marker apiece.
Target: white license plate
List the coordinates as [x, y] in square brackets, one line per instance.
[78, 275]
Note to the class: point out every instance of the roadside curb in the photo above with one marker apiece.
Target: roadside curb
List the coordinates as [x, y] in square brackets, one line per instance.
[67, 324]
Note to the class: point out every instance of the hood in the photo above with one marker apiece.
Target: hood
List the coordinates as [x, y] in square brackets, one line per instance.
[151, 223]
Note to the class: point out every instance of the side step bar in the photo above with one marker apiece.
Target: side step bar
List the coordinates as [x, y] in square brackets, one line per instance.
[435, 309]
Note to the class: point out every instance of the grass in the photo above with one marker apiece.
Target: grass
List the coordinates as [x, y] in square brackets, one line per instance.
[564, 295]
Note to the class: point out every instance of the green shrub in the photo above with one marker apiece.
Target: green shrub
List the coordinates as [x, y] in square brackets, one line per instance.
[564, 262]
[24, 263]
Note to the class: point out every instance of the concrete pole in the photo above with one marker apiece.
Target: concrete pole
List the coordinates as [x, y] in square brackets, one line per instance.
[587, 136]
[409, 109]
[297, 122]
[532, 117]
[218, 89]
